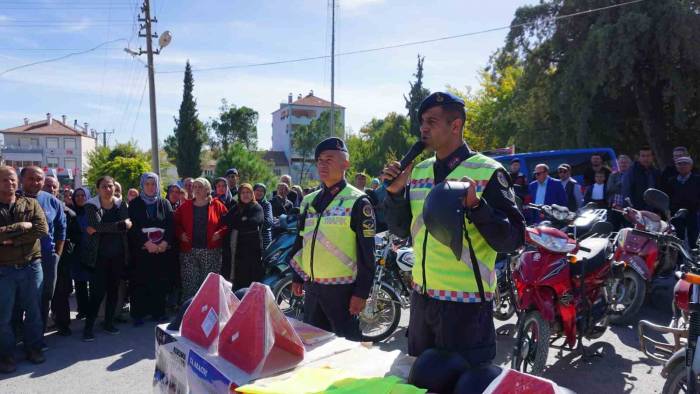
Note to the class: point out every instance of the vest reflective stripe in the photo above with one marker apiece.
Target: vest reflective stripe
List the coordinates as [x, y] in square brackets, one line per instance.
[447, 278]
[333, 243]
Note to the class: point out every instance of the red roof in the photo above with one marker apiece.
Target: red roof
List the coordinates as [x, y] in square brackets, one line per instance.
[43, 127]
[314, 101]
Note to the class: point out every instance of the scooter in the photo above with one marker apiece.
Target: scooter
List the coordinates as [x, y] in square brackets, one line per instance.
[560, 292]
[649, 261]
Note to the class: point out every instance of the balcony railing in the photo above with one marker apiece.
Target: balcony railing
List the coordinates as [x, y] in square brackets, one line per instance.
[21, 149]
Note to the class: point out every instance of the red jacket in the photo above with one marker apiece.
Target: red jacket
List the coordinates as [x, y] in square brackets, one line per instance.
[184, 221]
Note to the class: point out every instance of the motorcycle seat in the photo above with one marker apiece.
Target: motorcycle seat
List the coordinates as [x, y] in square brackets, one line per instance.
[592, 260]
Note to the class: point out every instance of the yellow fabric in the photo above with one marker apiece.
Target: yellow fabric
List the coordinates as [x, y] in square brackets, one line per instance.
[335, 249]
[443, 272]
[331, 381]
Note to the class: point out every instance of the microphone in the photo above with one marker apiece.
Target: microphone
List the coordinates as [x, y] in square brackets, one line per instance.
[408, 158]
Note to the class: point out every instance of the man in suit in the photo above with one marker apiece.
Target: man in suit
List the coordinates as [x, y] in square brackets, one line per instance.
[544, 190]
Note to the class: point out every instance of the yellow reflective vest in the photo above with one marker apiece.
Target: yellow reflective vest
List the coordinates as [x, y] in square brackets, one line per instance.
[329, 251]
[437, 272]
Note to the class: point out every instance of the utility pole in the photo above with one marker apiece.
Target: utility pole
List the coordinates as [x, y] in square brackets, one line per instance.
[147, 21]
[332, 68]
[104, 136]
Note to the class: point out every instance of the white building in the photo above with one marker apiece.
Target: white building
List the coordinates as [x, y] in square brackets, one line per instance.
[290, 116]
[52, 145]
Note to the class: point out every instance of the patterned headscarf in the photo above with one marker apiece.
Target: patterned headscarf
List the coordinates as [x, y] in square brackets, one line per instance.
[149, 200]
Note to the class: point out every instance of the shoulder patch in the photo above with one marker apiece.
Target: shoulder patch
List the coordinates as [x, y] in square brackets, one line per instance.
[367, 210]
[502, 179]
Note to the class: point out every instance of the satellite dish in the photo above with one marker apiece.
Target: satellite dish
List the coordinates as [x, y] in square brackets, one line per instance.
[165, 39]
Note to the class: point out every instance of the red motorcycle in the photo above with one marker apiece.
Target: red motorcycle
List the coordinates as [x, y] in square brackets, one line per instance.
[649, 260]
[561, 291]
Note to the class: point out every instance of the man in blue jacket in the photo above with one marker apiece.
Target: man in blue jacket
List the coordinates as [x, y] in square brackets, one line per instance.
[544, 190]
[52, 243]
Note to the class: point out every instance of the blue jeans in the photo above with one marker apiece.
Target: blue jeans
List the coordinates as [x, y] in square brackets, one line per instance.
[20, 287]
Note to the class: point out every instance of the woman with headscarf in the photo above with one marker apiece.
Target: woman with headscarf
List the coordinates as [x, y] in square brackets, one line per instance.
[260, 191]
[106, 251]
[247, 218]
[150, 240]
[81, 275]
[173, 195]
[223, 193]
[201, 232]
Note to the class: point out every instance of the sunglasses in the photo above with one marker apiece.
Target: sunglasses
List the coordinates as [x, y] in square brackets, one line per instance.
[539, 173]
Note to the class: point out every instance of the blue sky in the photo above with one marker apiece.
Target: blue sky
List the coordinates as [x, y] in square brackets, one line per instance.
[106, 86]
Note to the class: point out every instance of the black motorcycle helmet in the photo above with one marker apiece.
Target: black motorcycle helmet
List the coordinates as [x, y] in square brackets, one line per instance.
[437, 370]
[443, 214]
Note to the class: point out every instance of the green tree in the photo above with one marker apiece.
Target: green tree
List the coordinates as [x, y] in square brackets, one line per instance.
[250, 165]
[625, 77]
[305, 138]
[235, 124]
[415, 97]
[185, 146]
[125, 163]
[378, 142]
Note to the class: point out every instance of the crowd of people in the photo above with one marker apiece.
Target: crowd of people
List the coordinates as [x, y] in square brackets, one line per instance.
[604, 188]
[125, 259]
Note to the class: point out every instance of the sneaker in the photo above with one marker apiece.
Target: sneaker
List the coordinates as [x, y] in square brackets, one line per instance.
[88, 336]
[64, 331]
[35, 356]
[110, 329]
[7, 364]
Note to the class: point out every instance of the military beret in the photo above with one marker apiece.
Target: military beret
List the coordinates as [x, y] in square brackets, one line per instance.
[332, 143]
[438, 98]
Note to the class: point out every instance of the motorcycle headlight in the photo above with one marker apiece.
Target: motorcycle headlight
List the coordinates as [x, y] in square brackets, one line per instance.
[555, 244]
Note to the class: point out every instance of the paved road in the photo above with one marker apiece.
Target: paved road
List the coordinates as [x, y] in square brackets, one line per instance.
[124, 363]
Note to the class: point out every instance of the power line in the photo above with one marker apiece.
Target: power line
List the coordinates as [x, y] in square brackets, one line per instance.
[401, 45]
[61, 57]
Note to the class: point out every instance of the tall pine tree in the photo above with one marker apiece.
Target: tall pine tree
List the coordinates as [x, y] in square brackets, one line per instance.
[186, 145]
[415, 97]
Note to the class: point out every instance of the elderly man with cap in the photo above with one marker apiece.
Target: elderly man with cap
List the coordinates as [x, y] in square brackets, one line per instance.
[335, 262]
[232, 178]
[454, 279]
[574, 196]
[684, 190]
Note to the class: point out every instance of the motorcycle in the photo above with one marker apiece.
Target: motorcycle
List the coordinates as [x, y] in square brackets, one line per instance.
[681, 362]
[649, 261]
[560, 291]
[576, 224]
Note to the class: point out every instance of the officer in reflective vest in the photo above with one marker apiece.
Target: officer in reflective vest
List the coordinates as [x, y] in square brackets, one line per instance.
[451, 302]
[335, 265]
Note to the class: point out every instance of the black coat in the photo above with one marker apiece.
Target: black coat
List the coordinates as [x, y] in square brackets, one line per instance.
[164, 218]
[248, 221]
[280, 206]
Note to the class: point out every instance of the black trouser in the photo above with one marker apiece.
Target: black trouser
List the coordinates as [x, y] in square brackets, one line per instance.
[105, 281]
[328, 308]
[82, 296]
[149, 285]
[60, 305]
[49, 266]
[689, 225]
[466, 328]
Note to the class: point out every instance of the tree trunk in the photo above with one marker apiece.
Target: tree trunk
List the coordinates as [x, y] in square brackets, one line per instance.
[650, 106]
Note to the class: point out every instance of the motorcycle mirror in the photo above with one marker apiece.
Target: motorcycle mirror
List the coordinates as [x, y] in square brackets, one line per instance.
[656, 199]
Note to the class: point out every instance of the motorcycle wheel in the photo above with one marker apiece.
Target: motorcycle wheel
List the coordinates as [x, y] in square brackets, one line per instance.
[676, 380]
[290, 305]
[532, 344]
[628, 297]
[379, 324]
[503, 307]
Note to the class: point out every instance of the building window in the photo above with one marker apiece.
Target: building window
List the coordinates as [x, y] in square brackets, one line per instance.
[69, 163]
[35, 142]
[69, 143]
[52, 162]
[52, 142]
[277, 172]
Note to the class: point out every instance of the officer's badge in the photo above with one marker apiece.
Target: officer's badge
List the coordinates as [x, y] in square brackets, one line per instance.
[438, 98]
[502, 179]
[367, 211]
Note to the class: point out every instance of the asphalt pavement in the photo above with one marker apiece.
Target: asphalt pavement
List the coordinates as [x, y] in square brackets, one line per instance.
[124, 363]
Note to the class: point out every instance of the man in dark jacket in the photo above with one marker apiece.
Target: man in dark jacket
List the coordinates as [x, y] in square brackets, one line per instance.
[280, 204]
[260, 191]
[22, 224]
[642, 176]
[518, 179]
[684, 190]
